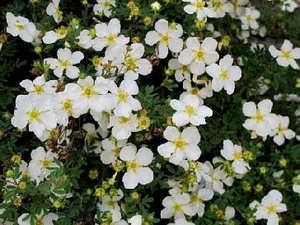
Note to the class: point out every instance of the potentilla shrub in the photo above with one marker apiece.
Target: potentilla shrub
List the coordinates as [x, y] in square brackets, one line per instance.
[154, 112]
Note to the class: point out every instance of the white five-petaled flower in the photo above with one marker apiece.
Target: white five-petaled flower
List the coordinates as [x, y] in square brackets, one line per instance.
[134, 64]
[41, 161]
[261, 120]
[198, 55]
[20, 26]
[189, 110]
[168, 36]
[111, 150]
[224, 75]
[286, 55]
[104, 7]
[65, 62]
[35, 111]
[137, 163]
[123, 99]
[282, 132]
[54, 11]
[199, 7]
[39, 86]
[108, 36]
[181, 145]
[234, 153]
[177, 206]
[249, 20]
[269, 207]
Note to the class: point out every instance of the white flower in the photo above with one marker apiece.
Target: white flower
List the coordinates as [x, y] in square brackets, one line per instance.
[20, 26]
[104, 6]
[35, 111]
[286, 55]
[111, 150]
[39, 86]
[296, 184]
[52, 36]
[65, 61]
[177, 206]
[122, 97]
[282, 132]
[54, 11]
[123, 126]
[198, 55]
[197, 198]
[249, 20]
[167, 36]
[40, 163]
[43, 218]
[189, 110]
[289, 5]
[261, 120]
[136, 220]
[137, 163]
[224, 75]
[180, 145]
[182, 72]
[90, 95]
[107, 35]
[234, 153]
[134, 64]
[198, 7]
[86, 40]
[269, 207]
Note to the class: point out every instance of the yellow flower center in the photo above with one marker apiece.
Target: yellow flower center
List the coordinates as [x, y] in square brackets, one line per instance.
[259, 117]
[130, 63]
[64, 63]
[124, 120]
[122, 95]
[249, 18]
[45, 162]
[67, 105]
[165, 38]
[61, 32]
[200, 54]
[177, 208]
[106, 4]
[199, 4]
[286, 55]
[132, 165]
[224, 75]
[33, 115]
[194, 91]
[180, 143]
[20, 26]
[191, 111]
[39, 89]
[237, 155]
[111, 39]
[88, 91]
[281, 129]
[271, 208]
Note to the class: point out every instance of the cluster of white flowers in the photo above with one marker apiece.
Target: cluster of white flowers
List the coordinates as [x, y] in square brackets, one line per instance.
[263, 123]
[109, 96]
